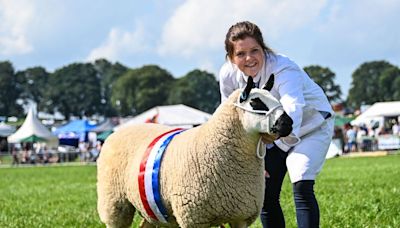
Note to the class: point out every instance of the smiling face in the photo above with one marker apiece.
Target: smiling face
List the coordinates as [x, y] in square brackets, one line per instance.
[248, 56]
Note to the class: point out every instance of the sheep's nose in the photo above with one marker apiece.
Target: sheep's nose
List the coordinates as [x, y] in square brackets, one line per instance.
[283, 126]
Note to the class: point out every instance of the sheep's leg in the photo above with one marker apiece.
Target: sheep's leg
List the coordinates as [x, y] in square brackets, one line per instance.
[114, 209]
[146, 224]
[118, 214]
[238, 224]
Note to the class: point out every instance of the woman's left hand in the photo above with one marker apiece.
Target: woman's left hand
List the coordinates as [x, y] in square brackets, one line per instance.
[267, 138]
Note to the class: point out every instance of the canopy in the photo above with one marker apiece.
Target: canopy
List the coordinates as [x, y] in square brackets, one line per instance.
[33, 138]
[75, 129]
[104, 135]
[32, 126]
[6, 130]
[340, 121]
[107, 125]
[172, 115]
[378, 110]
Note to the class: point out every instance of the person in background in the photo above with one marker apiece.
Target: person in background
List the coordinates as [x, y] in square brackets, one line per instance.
[303, 100]
[351, 136]
[396, 128]
[15, 158]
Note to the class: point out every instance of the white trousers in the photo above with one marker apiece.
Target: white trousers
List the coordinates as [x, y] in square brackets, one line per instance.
[306, 159]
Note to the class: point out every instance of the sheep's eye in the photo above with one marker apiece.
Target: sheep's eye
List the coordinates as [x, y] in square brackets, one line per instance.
[257, 104]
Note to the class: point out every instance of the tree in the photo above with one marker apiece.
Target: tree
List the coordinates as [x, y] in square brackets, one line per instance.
[396, 87]
[34, 85]
[141, 89]
[369, 83]
[9, 91]
[75, 90]
[108, 73]
[123, 93]
[324, 77]
[197, 89]
[389, 84]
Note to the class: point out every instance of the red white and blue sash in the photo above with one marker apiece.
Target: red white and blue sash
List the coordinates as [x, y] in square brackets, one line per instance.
[149, 176]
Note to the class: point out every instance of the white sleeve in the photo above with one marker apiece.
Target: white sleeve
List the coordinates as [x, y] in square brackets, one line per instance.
[226, 86]
[290, 88]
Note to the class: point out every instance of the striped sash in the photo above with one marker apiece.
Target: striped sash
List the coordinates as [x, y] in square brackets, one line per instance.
[149, 175]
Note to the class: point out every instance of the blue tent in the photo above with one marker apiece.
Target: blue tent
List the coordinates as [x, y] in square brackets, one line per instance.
[76, 129]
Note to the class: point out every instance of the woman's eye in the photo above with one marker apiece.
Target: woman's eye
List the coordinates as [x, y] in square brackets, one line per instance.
[240, 54]
[253, 51]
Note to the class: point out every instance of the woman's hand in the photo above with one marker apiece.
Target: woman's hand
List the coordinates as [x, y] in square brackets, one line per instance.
[267, 138]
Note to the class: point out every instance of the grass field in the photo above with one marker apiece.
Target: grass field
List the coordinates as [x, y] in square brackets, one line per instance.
[352, 192]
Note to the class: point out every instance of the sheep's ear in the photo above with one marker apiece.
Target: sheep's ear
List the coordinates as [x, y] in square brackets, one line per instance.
[245, 94]
[270, 83]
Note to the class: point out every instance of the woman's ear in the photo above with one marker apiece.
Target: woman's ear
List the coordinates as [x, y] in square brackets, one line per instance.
[270, 83]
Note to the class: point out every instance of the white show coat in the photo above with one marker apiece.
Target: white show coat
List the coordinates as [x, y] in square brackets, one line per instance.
[301, 98]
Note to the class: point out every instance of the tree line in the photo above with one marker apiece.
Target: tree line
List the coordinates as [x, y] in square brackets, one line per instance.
[102, 88]
[110, 89]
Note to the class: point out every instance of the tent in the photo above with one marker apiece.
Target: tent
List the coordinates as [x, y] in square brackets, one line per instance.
[377, 112]
[103, 136]
[6, 130]
[107, 125]
[33, 127]
[340, 121]
[77, 129]
[172, 115]
[33, 138]
[335, 149]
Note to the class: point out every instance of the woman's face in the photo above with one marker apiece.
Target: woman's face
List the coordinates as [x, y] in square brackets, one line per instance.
[248, 56]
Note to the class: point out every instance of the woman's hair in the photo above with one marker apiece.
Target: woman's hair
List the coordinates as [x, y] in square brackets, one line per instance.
[240, 31]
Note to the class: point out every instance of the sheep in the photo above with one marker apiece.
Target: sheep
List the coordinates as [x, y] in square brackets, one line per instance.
[210, 175]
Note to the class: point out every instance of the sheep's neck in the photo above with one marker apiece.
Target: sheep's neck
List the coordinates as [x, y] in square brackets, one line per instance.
[225, 136]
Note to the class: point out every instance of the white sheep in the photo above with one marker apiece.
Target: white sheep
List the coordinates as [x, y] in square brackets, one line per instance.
[210, 175]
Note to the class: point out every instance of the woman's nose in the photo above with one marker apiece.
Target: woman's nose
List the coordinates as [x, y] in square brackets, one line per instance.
[248, 56]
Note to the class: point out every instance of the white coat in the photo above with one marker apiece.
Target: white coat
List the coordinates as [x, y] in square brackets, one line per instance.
[302, 99]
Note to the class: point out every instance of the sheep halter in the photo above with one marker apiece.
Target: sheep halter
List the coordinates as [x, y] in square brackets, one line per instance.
[266, 113]
[148, 177]
[260, 148]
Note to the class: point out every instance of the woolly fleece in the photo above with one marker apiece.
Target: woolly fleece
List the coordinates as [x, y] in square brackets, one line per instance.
[210, 174]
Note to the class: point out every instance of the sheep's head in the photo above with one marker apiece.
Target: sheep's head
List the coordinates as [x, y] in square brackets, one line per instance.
[262, 111]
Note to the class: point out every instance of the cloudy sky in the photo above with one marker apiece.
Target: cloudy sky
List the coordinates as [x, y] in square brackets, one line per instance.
[181, 35]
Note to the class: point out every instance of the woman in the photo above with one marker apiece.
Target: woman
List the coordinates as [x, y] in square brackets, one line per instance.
[303, 100]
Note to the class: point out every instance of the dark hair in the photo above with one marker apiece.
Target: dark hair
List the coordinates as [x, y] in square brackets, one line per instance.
[240, 31]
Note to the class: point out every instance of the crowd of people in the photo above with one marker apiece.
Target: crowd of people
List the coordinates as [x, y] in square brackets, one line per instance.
[38, 153]
[361, 138]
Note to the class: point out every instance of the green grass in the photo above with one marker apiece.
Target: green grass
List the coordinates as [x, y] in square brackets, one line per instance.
[352, 192]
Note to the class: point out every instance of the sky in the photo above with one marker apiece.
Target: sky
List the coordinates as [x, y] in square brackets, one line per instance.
[183, 35]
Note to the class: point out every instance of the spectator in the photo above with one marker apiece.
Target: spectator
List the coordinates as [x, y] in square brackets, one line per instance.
[15, 159]
[351, 136]
[396, 129]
